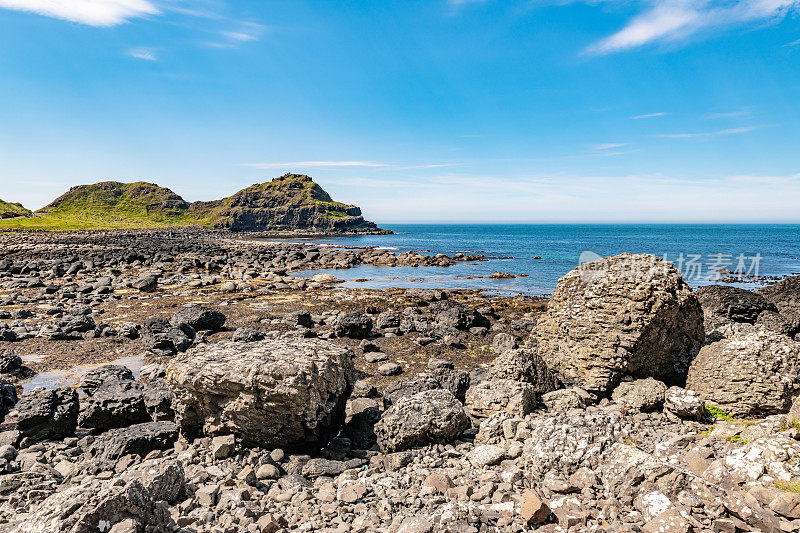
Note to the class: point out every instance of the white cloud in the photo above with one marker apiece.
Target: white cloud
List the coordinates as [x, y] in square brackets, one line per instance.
[90, 12]
[649, 115]
[671, 20]
[729, 131]
[732, 114]
[147, 54]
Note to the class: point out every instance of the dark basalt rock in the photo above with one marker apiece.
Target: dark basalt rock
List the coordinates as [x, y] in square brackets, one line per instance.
[139, 439]
[162, 337]
[114, 404]
[731, 304]
[199, 317]
[48, 414]
[353, 325]
[95, 377]
[8, 397]
[9, 361]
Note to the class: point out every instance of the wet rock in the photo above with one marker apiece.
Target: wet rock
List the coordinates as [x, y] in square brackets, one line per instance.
[199, 317]
[748, 374]
[640, 396]
[625, 315]
[270, 393]
[48, 414]
[353, 325]
[434, 416]
[9, 362]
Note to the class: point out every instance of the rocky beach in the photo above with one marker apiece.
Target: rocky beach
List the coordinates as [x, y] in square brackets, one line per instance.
[189, 380]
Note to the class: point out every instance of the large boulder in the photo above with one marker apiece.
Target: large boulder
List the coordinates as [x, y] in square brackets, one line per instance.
[492, 396]
[354, 325]
[625, 315]
[95, 377]
[457, 315]
[162, 337]
[748, 374]
[44, 414]
[114, 404]
[640, 396]
[9, 362]
[722, 304]
[273, 393]
[199, 317]
[433, 416]
[785, 295]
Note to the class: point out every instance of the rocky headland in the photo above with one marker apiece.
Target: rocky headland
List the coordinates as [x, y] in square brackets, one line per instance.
[211, 387]
[289, 203]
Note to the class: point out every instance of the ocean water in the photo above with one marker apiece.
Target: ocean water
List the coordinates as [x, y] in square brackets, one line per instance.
[699, 251]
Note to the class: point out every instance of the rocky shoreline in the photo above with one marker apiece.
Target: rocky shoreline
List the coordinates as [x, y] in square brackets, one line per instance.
[258, 400]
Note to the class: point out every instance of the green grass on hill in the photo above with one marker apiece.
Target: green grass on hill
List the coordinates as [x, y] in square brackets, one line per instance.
[9, 210]
[115, 205]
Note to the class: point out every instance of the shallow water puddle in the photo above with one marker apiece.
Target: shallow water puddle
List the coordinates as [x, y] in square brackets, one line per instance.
[56, 378]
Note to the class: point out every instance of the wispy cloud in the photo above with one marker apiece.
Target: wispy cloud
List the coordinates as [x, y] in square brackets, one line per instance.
[729, 131]
[608, 146]
[147, 54]
[665, 21]
[732, 114]
[310, 164]
[649, 115]
[245, 32]
[90, 12]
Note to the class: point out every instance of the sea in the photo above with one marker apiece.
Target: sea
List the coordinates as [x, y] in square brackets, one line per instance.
[747, 255]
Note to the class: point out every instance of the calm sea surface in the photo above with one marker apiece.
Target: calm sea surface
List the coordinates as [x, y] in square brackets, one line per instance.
[700, 251]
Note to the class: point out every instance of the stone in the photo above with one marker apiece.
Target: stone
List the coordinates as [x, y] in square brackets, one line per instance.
[748, 374]
[562, 400]
[670, 521]
[456, 381]
[640, 396]
[9, 362]
[457, 315]
[684, 404]
[503, 342]
[206, 495]
[415, 524]
[625, 315]
[318, 467]
[390, 369]
[524, 364]
[199, 317]
[139, 439]
[95, 377]
[222, 446]
[353, 325]
[298, 318]
[145, 283]
[387, 320]
[500, 395]
[533, 509]
[247, 335]
[273, 393]
[486, 455]
[48, 414]
[268, 471]
[114, 404]
[164, 338]
[434, 416]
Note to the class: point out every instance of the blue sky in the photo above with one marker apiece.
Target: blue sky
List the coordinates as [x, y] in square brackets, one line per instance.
[434, 110]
